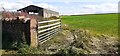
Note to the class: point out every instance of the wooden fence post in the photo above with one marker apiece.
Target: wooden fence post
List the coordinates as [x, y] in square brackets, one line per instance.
[33, 33]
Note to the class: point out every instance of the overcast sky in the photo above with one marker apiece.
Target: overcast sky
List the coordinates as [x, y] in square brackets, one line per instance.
[66, 7]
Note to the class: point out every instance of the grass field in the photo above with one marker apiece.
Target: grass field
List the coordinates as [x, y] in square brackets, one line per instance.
[96, 23]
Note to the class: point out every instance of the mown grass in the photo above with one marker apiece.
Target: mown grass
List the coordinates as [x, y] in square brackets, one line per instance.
[96, 23]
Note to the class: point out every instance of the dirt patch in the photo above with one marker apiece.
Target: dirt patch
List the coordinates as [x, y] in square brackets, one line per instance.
[81, 42]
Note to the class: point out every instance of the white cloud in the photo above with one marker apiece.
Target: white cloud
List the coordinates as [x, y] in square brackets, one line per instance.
[66, 2]
[90, 9]
[13, 6]
[25, 2]
[103, 8]
[72, 9]
[1, 8]
[47, 6]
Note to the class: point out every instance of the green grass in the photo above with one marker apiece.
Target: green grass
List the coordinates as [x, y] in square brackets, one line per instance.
[96, 23]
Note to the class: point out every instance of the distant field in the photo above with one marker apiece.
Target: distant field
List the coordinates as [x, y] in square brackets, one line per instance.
[96, 23]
